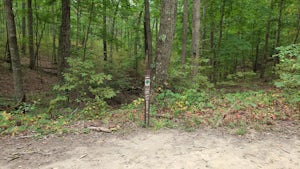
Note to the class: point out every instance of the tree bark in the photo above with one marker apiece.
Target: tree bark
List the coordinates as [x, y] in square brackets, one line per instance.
[298, 28]
[165, 40]
[112, 30]
[30, 35]
[86, 37]
[281, 5]
[147, 32]
[184, 31]
[64, 39]
[266, 45]
[23, 46]
[195, 36]
[13, 48]
[78, 16]
[104, 33]
[221, 24]
[54, 60]
[136, 42]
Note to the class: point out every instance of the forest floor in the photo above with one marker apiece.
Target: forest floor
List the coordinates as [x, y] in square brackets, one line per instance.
[147, 149]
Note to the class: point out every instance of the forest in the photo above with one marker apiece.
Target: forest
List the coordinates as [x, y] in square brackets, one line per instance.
[225, 63]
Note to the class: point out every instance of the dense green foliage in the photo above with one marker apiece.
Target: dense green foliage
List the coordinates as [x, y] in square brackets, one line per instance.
[288, 68]
[83, 85]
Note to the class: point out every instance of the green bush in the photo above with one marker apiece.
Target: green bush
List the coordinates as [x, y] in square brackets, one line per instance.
[288, 70]
[82, 84]
[180, 77]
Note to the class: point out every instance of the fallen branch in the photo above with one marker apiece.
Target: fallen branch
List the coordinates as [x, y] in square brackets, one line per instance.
[100, 129]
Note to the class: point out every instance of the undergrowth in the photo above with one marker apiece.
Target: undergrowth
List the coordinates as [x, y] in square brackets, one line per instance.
[187, 110]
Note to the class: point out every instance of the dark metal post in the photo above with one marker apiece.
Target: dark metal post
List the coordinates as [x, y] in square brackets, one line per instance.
[147, 91]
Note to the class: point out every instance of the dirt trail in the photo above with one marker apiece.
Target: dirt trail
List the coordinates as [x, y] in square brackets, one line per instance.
[146, 149]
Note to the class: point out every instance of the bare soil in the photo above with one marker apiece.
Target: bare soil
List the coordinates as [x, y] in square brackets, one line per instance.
[147, 149]
[35, 82]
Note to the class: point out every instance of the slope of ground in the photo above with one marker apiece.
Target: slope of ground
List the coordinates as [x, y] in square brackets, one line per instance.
[204, 148]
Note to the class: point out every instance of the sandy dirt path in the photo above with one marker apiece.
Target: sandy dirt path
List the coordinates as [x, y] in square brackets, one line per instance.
[146, 149]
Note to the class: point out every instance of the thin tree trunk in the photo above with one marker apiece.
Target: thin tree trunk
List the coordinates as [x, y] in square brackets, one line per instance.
[13, 48]
[88, 29]
[54, 61]
[37, 22]
[38, 44]
[221, 24]
[104, 33]
[184, 31]
[30, 35]
[112, 31]
[281, 4]
[255, 65]
[298, 28]
[195, 37]
[136, 43]
[64, 39]
[78, 16]
[204, 29]
[266, 45]
[165, 40]
[147, 32]
[213, 50]
[23, 47]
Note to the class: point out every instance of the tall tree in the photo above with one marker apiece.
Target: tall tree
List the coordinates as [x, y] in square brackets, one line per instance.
[64, 38]
[266, 45]
[104, 33]
[112, 29]
[86, 37]
[279, 24]
[165, 40]
[184, 30]
[54, 60]
[196, 36]
[30, 35]
[147, 31]
[23, 46]
[13, 48]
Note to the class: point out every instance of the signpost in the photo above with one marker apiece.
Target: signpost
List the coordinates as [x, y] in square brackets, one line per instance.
[147, 93]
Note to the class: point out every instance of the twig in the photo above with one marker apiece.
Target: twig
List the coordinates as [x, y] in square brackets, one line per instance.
[82, 156]
[283, 149]
[13, 158]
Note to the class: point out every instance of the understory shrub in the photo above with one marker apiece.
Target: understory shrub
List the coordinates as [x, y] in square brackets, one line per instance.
[82, 84]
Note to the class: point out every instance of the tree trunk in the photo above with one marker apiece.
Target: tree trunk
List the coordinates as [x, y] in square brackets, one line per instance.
[195, 36]
[78, 16]
[30, 35]
[281, 5]
[23, 46]
[86, 37]
[184, 30]
[204, 29]
[255, 65]
[165, 40]
[298, 28]
[112, 31]
[221, 24]
[147, 32]
[136, 43]
[213, 55]
[54, 61]
[104, 33]
[13, 48]
[266, 45]
[64, 39]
